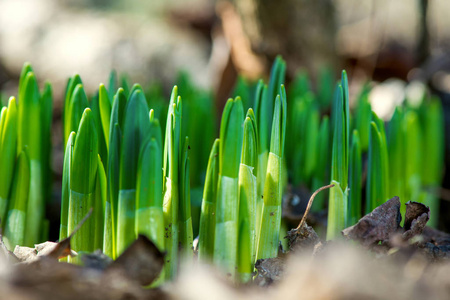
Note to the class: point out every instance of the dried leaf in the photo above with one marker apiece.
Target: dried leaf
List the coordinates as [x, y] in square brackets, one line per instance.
[25, 254]
[416, 218]
[62, 249]
[377, 226]
[141, 262]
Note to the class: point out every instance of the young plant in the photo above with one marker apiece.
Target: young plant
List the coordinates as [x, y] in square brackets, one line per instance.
[433, 148]
[113, 174]
[149, 201]
[136, 129]
[355, 180]
[397, 154]
[338, 201]
[247, 199]
[83, 175]
[269, 235]
[227, 205]
[208, 213]
[413, 157]
[263, 147]
[76, 105]
[184, 216]
[15, 227]
[171, 183]
[377, 189]
[65, 189]
[8, 152]
[30, 136]
[99, 205]
[67, 120]
[363, 115]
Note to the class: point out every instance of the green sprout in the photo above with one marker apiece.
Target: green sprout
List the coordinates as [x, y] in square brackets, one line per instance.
[269, 234]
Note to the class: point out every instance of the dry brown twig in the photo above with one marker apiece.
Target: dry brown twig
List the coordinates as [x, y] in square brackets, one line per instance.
[311, 199]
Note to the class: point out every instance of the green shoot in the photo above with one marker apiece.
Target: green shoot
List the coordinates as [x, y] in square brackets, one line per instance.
[227, 206]
[208, 217]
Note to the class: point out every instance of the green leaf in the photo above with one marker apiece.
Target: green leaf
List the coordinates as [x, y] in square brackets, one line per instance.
[355, 181]
[184, 213]
[135, 131]
[83, 175]
[78, 103]
[84, 167]
[65, 190]
[15, 227]
[247, 199]
[99, 205]
[271, 216]
[231, 136]
[113, 177]
[105, 112]
[322, 170]
[208, 213]
[377, 188]
[8, 145]
[71, 84]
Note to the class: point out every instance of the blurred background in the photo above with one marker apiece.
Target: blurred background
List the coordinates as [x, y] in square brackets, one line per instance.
[215, 41]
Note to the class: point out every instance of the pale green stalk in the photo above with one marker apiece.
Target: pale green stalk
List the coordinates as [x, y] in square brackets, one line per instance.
[135, 131]
[15, 227]
[171, 183]
[71, 84]
[105, 112]
[263, 146]
[184, 216]
[8, 144]
[29, 135]
[99, 205]
[112, 195]
[377, 190]
[433, 148]
[208, 213]
[247, 199]
[149, 195]
[227, 205]
[65, 190]
[413, 164]
[46, 103]
[269, 237]
[397, 155]
[113, 172]
[355, 180]
[338, 199]
[83, 173]
[76, 105]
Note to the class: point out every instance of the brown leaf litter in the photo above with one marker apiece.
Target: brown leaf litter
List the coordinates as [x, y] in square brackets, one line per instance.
[36, 273]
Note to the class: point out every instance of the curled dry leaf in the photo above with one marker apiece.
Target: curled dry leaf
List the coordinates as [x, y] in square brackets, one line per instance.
[416, 218]
[379, 225]
[141, 262]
